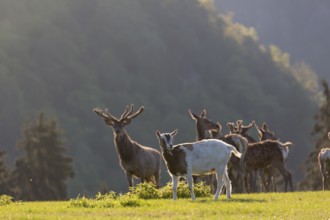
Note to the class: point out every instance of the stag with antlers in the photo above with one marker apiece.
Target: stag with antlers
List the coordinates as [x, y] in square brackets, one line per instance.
[136, 160]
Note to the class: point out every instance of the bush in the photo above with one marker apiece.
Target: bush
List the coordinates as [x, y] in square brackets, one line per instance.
[5, 200]
[200, 190]
[145, 191]
[129, 200]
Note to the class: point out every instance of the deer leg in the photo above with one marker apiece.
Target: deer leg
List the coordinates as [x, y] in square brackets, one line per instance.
[262, 174]
[253, 179]
[286, 175]
[129, 179]
[246, 182]
[157, 178]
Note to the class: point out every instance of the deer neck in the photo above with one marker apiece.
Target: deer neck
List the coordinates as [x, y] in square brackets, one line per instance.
[200, 134]
[124, 146]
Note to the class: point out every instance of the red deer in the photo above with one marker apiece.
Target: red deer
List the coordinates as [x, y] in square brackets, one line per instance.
[196, 158]
[263, 154]
[206, 129]
[324, 165]
[136, 160]
[203, 126]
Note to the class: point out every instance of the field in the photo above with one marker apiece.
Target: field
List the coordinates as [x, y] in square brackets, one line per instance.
[295, 205]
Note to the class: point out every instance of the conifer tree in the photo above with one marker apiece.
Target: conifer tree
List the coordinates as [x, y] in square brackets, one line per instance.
[320, 131]
[41, 173]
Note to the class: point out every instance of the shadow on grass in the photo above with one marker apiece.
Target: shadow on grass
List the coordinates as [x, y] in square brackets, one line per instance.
[246, 200]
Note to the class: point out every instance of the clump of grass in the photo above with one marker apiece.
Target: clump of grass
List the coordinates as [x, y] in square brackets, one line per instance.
[129, 200]
[200, 190]
[5, 200]
[137, 195]
[82, 202]
[108, 200]
[145, 191]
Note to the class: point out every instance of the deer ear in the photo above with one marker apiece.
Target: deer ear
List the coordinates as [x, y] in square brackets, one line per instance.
[173, 133]
[193, 115]
[158, 134]
[259, 133]
[203, 113]
[329, 135]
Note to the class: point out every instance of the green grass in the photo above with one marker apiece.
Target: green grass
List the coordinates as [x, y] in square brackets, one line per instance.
[296, 205]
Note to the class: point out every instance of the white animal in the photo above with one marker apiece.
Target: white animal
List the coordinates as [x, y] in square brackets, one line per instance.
[196, 158]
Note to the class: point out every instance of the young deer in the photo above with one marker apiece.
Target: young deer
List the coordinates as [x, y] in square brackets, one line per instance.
[206, 129]
[263, 154]
[136, 160]
[196, 158]
[324, 165]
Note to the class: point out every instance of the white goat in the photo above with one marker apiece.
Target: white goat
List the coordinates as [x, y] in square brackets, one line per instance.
[196, 158]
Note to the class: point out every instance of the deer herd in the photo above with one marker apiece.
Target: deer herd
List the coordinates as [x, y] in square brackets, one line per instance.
[235, 160]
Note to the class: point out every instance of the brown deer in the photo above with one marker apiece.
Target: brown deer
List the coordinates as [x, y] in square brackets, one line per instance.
[241, 129]
[263, 154]
[206, 129]
[324, 165]
[203, 126]
[136, 160]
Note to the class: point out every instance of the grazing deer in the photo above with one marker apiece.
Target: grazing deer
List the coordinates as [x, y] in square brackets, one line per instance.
[324, 165]
[196, 158]
[206, 129]
[136, 160]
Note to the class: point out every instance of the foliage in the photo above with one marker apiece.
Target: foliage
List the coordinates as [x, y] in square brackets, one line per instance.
[145, 191]
[66, 57]
[108, 201]
[5, 200]
[200, 190]
[5, 178]
[42, 172]
[137, 195]
[320, 132]
[149, 191]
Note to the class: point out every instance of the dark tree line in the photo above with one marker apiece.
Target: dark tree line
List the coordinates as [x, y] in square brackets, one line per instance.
[320, 131]
[41, 173]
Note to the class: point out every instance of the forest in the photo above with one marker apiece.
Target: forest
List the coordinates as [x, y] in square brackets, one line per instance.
[66, 57]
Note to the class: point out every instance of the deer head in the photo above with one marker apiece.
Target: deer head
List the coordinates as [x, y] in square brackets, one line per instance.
[264, 133]
[203, 125]
[118, 124]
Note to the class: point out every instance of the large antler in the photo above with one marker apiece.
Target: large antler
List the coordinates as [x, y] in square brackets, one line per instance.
[127, 112]
[131, 116]
[105, 114]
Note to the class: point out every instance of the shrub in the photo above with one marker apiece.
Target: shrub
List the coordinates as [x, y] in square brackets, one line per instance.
[200, 190]
[145, 191]
[129, 200]
[5, 200]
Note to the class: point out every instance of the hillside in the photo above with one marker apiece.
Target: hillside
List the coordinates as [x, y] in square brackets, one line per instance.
[67, 57]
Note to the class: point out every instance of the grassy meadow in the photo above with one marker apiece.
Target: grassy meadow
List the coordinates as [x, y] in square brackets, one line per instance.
[295, 205]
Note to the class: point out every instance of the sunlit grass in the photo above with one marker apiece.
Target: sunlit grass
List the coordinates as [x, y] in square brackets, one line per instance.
[296, 205]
